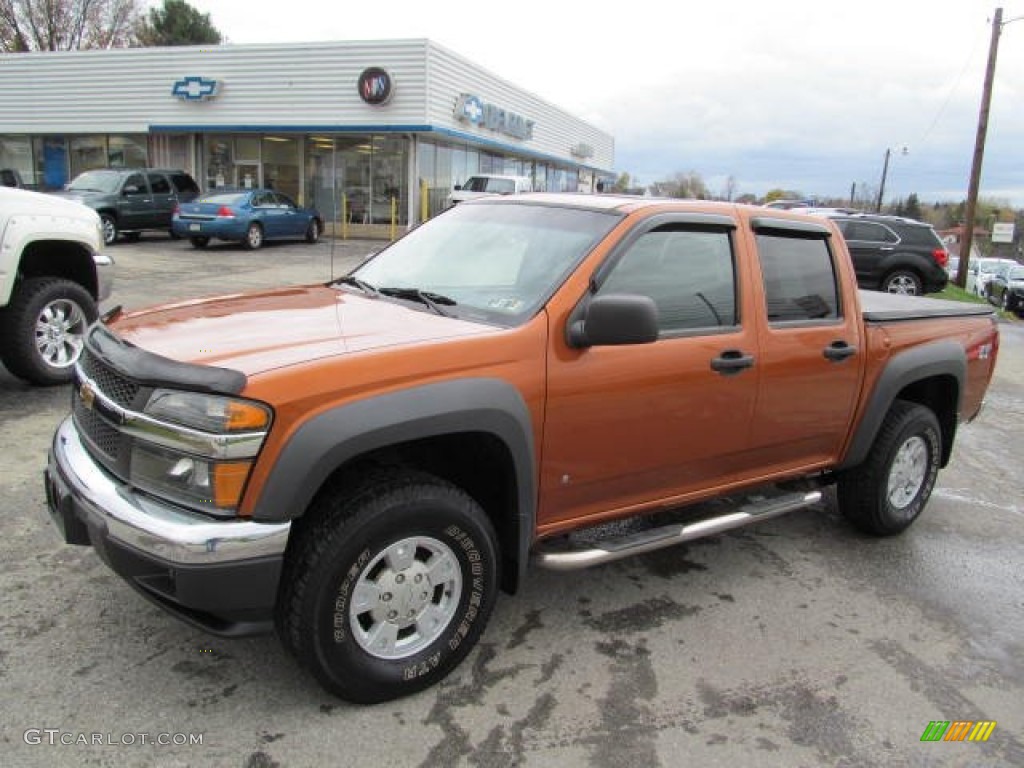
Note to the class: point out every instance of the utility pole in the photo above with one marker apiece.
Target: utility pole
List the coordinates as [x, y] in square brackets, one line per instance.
[979, 152]
[881, 187]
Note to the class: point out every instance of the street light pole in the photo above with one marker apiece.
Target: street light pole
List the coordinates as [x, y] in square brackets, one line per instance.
[979, 151]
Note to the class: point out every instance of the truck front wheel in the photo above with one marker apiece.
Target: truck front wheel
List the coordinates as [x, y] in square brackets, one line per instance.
[44, 329]
[886, 493]
[389, 587]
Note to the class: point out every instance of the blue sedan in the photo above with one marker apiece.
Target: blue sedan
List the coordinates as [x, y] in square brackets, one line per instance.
[248, 216]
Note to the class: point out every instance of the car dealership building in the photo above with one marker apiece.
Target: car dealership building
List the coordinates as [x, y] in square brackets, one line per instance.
[374, 134]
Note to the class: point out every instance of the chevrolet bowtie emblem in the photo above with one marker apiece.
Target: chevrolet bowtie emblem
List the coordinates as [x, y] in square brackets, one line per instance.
[88, 395]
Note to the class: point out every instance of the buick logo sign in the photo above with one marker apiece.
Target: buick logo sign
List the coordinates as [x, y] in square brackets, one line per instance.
[375, 86]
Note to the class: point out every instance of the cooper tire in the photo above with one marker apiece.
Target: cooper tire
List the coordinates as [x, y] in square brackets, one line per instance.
[44, 329]
[389, 586]
[886, 493]
[903, 281]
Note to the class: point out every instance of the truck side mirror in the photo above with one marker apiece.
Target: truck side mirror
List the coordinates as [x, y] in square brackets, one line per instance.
[458, 187]
[614, 320]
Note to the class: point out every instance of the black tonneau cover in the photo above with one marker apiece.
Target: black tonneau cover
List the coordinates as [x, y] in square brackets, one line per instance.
[879, 307]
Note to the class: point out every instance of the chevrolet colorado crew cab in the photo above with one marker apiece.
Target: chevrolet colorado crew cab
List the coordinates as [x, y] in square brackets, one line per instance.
[53, 274]
[365, 464]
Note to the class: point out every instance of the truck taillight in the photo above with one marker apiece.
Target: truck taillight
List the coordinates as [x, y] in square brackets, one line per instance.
[941, 256]
[225, 213]
[177, 210]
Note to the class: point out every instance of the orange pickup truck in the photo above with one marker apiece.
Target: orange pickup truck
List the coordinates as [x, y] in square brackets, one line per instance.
[365, 464]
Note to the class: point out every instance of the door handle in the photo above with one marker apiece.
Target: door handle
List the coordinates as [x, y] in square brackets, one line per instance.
[731, 362]
[838, 351]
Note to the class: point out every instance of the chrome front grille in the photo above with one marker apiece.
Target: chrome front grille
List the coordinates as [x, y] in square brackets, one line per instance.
[114, 385]
[99, 433]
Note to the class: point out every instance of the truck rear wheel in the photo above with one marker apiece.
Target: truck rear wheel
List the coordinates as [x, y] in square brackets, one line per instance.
[390, 586]
[886, 493]
[44, 329]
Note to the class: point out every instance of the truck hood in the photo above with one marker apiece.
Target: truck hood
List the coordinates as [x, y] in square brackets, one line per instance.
[28, 201]
[257, 332]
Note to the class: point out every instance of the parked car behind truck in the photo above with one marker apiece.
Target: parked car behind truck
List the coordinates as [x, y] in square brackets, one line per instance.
[364, 464]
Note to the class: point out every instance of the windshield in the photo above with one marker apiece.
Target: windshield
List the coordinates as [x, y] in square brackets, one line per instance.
[497, 263]
[95, 181]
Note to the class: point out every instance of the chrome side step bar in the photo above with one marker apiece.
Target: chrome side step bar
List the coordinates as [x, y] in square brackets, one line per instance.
[621, 547]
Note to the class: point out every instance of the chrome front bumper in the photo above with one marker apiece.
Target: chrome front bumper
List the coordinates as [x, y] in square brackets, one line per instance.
[220, 575]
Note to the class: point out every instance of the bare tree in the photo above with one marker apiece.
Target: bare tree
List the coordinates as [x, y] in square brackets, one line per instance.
[66, 25]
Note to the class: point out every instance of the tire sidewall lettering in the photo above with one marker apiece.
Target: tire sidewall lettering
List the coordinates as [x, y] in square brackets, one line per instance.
[445, 651]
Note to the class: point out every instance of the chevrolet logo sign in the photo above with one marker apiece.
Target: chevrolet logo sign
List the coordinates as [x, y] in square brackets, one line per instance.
[193, 88]
[88, 395]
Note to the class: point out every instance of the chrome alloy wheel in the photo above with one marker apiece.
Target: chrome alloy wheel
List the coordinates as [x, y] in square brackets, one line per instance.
[405, 597]
[908, 472]
[903, 284]
[60, 333]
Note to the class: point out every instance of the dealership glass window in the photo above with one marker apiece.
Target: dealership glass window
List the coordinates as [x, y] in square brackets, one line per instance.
[127, 152]
[390, 180]
[87, 153]
[218, 162]
[459, 174]
[281, 170]
[436, 190]
[320, 177]
[16, 156]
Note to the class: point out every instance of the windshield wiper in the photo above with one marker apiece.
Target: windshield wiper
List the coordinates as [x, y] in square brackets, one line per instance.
[432, 300]
[362, 285]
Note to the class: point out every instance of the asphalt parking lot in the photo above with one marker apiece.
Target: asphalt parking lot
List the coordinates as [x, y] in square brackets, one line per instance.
[796, 643]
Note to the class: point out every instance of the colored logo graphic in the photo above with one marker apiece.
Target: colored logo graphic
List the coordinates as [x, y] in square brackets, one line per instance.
[958, 730]
[475, 111]
[470, 109]
[194, 88]
[375, 86]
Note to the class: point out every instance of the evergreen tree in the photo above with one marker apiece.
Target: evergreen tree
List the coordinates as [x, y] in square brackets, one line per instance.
[176, 23]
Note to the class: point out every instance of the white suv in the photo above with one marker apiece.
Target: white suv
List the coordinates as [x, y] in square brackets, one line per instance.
[485, 185]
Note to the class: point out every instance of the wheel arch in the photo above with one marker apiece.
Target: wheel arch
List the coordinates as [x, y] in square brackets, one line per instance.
[932, 375]
[474, 433]
[66, 259]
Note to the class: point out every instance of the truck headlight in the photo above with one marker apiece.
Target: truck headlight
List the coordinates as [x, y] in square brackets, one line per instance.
[196, 449]
[208, 413]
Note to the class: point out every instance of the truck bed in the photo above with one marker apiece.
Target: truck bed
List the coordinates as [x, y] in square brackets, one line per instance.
[880, 307]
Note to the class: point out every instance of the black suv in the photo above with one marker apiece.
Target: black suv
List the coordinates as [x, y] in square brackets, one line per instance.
[893, 254]
[130, 200]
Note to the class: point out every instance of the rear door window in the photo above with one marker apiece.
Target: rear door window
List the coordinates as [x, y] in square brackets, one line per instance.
[868, 232]
[159, 184]
[799, 277]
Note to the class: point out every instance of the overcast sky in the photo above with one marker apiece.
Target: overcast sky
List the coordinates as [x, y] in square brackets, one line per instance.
[773, 93]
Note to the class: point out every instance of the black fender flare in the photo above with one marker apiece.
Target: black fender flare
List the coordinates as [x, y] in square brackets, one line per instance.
[334, 437]
[940, 358]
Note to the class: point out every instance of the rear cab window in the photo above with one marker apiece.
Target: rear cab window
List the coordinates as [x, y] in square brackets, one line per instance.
[798, 271]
